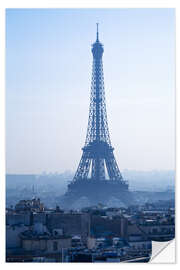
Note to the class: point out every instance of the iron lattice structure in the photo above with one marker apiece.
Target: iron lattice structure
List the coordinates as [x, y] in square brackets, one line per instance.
[98, 161]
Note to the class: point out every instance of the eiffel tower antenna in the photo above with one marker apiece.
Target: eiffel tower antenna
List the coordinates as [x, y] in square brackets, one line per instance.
[97, 34]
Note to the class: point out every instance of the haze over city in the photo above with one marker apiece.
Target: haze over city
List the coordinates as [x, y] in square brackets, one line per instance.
[120, 199]
[48, 76]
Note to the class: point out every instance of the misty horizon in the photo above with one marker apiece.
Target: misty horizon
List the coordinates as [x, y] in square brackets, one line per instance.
[73, 171]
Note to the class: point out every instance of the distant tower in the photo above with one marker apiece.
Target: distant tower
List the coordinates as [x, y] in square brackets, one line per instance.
[98, 174]
[33, 191]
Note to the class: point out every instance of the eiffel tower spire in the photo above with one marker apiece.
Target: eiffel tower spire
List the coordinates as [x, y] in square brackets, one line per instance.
[97, 33]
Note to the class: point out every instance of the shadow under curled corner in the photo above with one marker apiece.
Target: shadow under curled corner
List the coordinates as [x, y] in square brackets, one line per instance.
[163, 252]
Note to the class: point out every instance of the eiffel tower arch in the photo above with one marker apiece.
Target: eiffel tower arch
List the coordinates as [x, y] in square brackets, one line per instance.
[98, 177]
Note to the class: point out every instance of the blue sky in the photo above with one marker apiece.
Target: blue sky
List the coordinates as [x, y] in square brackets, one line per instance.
[48, 76]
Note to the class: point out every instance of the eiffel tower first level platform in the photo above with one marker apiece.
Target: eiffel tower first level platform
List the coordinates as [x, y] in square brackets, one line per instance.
[98, 177]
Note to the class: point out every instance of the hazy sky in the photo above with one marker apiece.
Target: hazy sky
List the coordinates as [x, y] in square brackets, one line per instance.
[48, 76]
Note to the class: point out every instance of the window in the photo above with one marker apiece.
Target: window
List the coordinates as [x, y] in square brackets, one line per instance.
[55, 245]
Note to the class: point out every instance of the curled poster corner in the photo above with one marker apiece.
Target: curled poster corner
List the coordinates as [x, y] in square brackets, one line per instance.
[163, 252]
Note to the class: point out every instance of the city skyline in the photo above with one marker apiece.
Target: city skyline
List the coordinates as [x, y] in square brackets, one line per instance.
[48, 70]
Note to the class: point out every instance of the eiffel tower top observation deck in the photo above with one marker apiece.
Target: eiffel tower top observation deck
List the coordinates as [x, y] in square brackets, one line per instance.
[98, 162]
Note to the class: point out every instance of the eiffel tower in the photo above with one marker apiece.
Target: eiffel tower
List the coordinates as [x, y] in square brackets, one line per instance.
[98, 177]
